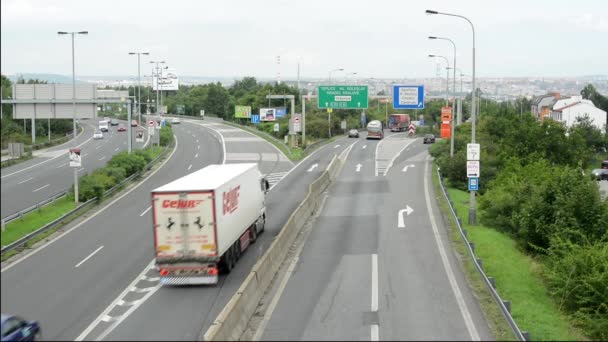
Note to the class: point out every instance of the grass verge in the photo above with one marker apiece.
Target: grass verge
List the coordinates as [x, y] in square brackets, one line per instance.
[11, 162]
[518, 279]
[496, 321]
[35, 220]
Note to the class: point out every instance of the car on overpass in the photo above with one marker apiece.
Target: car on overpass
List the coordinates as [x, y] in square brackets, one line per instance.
[134, 123]
[122, 128]
[15, 328]
[114, 122]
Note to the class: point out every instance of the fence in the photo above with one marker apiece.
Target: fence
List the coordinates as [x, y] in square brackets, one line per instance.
[504, 305]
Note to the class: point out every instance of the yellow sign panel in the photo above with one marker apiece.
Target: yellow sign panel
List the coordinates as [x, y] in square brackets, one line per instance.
[330, 110]
[163, 248]
[208, 246]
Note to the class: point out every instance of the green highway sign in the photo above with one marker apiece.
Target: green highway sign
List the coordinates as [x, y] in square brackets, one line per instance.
[343, 97]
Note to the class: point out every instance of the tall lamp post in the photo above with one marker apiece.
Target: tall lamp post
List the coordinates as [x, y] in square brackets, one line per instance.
[447, 77]
[453, 92]
[138, 100]
[328, 113]
[472, 208]
[74, 105]
[157, 83]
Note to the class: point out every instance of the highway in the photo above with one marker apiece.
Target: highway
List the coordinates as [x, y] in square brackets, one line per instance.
[378, 264]
[33, 181]
[95, 281]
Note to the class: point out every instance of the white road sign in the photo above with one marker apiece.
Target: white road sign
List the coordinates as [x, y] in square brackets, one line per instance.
[473, 169]
[473, 151]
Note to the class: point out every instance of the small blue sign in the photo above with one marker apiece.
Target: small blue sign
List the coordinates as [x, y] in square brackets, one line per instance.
[280, 112]
[255, 118]
[408, 97]
[473, 184]
[363, 119]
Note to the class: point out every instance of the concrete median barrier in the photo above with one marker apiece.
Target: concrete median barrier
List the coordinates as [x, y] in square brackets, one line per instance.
[233, 320]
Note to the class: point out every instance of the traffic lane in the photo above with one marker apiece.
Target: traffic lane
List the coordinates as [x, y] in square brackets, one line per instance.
[40, 183]
[412, 277]
[329, 294]
[184, 310]
[29, 164]
[127, 249]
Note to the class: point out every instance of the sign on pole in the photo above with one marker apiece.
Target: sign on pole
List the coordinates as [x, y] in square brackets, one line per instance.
[408, 97]
[267, 114]
[295, 124]
[151, 127]
[343, 124]
[75, 159]
[473, 183]
[343, 97]
[202, 112]
[473, 168]
[255, 119]
[242, 112]
[139, 135]
[276, 127]
[473, 151]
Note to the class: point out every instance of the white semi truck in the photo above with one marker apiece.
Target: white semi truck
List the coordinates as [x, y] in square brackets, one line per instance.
[205, 220]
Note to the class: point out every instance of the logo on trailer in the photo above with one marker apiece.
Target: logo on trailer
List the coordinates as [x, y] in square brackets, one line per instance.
[231, 200]
[181, 204]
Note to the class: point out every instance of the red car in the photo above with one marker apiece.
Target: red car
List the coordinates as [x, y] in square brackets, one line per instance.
[122, 128]
[133, 123]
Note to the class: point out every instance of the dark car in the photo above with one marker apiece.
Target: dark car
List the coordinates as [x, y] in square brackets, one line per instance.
[600, 174]
[122, 128]
[17, 329]
[428, 138]
[605, 164]
[353, 133]
[114, 122]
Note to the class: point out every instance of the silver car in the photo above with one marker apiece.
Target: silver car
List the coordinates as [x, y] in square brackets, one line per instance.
[97, 135]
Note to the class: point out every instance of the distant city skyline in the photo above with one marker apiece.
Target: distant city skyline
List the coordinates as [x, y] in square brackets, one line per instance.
[387, 38]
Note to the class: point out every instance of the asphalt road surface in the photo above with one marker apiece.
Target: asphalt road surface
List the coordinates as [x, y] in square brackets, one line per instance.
[33, 181]
[378, 263]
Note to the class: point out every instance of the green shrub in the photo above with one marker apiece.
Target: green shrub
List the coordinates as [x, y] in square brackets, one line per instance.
[131, 163]
[577, 276]
[166, 135]
[88, 188]
[116, 173]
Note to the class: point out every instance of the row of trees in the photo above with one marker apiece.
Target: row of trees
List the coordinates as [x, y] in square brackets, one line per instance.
[533, 187]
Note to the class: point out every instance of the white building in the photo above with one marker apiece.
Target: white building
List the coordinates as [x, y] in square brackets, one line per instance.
[568, 109]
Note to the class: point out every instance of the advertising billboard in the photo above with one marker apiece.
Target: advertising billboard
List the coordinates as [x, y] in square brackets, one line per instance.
[242, 112]
[280, 112]
[167, 81]
[267, 114]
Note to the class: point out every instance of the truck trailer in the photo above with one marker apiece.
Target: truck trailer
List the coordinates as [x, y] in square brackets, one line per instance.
[398, 122]
[205, 220]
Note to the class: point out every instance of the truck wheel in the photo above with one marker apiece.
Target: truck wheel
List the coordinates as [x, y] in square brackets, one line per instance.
[237, 251]
[228, 261]
[263, 224]
[253, 231]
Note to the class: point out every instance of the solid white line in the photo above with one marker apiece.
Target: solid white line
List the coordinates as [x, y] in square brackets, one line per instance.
[374, 282]
[98, 147]
[23, 181]
[87, 258]
[81, 169]
[375, 332]
[275, 300]
[196, 155]
[102, 158]
[462, 305]
[35, 251]
[116, 149]
[189, 167]
[222, 140]
[145, 211]
[395, 157]
[104, 314]
[40, 188]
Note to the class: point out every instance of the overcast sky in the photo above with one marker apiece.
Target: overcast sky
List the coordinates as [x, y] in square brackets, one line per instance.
[235, 38]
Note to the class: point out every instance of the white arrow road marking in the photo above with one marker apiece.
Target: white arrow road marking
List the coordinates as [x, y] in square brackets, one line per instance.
[358, 167]
[313, 167]
[406, 166]
[87, 258]
[401, 223]
[336, 146]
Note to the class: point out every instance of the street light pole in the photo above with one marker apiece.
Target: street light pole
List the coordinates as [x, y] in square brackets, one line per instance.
[157, 83]
[74, 106]
[447, 78]
[453, 91]
[472, 208]
[138, 100]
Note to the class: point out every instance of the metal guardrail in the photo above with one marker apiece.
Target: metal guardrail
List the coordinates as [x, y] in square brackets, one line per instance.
[36, 206]
[22, 241]
[504, 305]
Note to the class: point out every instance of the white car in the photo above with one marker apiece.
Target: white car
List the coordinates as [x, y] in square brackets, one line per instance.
[98, 135]
[175, 120]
